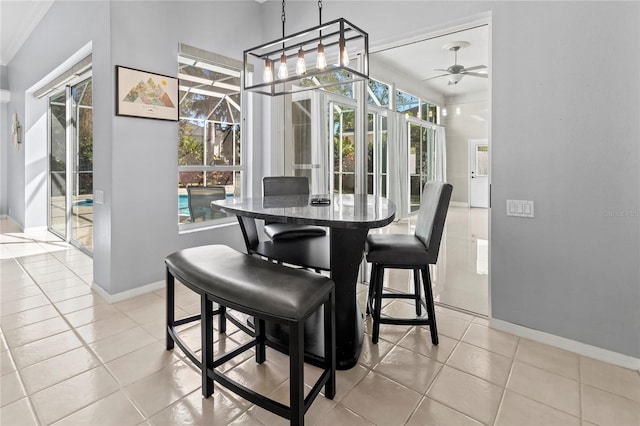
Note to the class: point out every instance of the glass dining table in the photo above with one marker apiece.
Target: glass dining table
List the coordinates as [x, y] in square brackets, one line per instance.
[349, 218]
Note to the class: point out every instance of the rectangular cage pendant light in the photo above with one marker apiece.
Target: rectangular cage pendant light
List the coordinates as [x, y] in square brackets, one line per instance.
[327, 55]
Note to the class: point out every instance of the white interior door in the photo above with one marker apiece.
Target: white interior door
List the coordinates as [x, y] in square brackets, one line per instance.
[479, 173]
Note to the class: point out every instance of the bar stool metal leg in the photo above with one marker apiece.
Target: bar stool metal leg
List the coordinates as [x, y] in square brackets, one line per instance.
[431, 311]
[371, 294]
[416, 287]
[377, 304]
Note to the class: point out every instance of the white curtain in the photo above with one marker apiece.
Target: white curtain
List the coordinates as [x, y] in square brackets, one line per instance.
[319, 145]
[398, 191]
[440, 157]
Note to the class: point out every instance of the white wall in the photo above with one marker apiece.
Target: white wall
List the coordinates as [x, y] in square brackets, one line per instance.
[564, 134]
[5, 136]
[135, 160]
[472, 123]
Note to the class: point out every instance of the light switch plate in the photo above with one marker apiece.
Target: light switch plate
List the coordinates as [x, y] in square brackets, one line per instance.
[98, 196]
[520, 208]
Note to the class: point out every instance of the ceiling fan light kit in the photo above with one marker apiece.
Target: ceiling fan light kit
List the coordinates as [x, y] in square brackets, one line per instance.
[456, 72]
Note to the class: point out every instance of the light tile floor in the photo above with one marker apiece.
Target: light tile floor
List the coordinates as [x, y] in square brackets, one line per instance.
[460, 278]
[68, 357]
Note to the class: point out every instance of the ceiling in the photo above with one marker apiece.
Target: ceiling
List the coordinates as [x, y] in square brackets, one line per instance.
[418, 61]
[17, 19]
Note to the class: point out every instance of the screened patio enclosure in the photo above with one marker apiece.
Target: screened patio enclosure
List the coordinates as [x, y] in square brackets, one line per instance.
[209, 128]
[405, 145]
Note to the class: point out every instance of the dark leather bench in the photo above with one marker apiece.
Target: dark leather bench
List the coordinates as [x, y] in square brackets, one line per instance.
[268, 292]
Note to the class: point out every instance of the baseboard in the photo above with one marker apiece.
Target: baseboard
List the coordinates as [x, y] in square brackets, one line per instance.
[458, 204]
[35, 229]
[574, 346]
[124, 295]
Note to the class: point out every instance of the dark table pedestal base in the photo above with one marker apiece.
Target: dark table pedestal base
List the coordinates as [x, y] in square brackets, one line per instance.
[347, 248]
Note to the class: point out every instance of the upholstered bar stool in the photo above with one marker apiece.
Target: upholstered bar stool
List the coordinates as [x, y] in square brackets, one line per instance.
[406, 251]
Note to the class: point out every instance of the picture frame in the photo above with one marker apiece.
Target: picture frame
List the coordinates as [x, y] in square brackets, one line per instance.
[146, 95]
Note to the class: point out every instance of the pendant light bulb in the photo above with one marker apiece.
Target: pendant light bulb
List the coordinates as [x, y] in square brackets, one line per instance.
[283, 72]
[344, 55]
[301, 67]
[267, 76]
[321, 60]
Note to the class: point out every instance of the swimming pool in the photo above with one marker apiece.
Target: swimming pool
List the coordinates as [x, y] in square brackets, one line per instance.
[183, 204]
[85, 202]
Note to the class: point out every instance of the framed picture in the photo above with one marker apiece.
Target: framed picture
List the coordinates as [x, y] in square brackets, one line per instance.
[145, 94]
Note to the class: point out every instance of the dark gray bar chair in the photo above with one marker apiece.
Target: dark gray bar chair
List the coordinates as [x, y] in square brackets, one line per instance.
[311, 253]
[405, 251]
[288, 185]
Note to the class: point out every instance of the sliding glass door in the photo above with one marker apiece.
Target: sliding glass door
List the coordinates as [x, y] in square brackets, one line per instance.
[421, 161]
[70, 213]
[58, 164]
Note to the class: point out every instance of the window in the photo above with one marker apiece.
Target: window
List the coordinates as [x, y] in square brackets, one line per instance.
[378, 93]
[428, 111]
[209, 130]
[407, 104]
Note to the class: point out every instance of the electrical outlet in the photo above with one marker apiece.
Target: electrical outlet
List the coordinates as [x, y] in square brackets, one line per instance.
[520, 208]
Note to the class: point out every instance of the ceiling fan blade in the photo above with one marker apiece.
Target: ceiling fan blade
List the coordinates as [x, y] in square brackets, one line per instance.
[477, 67]
[437, 76]
[476, 74]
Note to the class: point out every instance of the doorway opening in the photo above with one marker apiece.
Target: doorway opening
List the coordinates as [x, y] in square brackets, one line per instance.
[430, 68]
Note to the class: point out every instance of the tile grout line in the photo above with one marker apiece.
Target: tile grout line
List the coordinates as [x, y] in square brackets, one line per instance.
[504, 389]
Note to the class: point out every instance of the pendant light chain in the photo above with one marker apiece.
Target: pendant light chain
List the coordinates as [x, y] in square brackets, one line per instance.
[284, 19]
[320, 11]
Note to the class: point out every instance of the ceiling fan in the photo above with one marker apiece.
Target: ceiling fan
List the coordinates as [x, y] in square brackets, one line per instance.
[456, 72]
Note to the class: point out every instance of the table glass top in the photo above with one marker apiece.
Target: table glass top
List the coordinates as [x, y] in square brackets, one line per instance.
[344, 211]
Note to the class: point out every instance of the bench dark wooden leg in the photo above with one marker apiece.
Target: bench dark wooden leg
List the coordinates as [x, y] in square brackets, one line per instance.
[261, 354]
[170, 282]
[296, 368]
[329, 345]
[206, 328]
